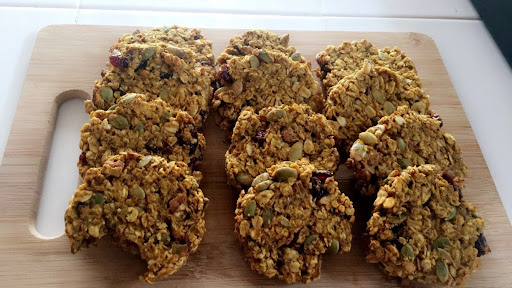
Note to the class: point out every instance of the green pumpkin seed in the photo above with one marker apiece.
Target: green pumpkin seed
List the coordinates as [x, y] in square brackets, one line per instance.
[144, 161]
[451, 214]
[310, 239]
[260, 178]
[264, 56]
[237, 87]
[296, 151]
[370, 111]
[97, 198]
[264, 185]
[255, 62]
[383, 56]
[407, 251]
[137, 192]
[377, 95]
[276, 114]
[404, 163]
[165, 239]
[341, 120]
[334, 247]
[119, 122]
[419, 107]
[164, 94]
[107, 94]
[441, 270]
[397, 219]
[401, 144]
[250, 209]
[295, 56]
[244, 178]
[368, 138]
[442, 242]
[389, 108]
[400, 120]
[283, 173]
[139, 127]
[112, 107]
[147, 53]
[444, 254]
[268, 215]
[128, 98]
[140, 210]
[178, 52]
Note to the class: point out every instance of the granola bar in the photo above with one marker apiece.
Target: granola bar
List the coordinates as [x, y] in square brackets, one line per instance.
[275, 134]
[160, 71]
[404, 138]
[422, 230]
[291, 215]
[359, 100]
[148, 206]
[337, 62]
[264, 78]
[135, 125]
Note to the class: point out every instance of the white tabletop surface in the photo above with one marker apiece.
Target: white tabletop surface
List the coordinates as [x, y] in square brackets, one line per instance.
[478, 70]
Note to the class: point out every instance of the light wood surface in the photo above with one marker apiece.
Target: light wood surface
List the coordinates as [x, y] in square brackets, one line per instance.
[65, 62]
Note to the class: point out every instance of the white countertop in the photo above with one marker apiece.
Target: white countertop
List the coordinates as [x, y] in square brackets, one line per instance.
[479, 72]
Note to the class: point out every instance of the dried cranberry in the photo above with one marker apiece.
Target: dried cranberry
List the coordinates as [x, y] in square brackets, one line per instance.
[317, 190]
[367, 91]
[165, 75]
[224, 74]
[322, 175]
[206, 63]
[323, 67]
[450, 179]
[437, 117]
[142, 65]
[203, 113]
[260, 137]
[82, 159]
[481, 245]
[196, 37]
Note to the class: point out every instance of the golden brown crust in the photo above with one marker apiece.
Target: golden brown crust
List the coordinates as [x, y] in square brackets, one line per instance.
[148, 206]
[291, 215]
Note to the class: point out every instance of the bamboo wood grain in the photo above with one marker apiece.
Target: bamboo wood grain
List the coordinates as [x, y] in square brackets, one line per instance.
[65, 62]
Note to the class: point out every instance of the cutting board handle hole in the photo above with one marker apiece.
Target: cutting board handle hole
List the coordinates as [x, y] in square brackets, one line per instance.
[60, 179]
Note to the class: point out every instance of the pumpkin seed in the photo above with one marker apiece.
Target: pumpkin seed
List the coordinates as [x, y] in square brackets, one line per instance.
[178, 248]
[147, 53]
[389, 108]
[377, 95]
[401, 144]
[119, 122]
[442, 242]
[419, 107]
[137, 192]
[176, 51]
[310, 239]
[260, 178]
[400, 120]
[451, 214]
[397, 219]
[112, 107]
[164, 94]
[128, 98]
[296, 151]
[244, 178]
[144, 161]
[407, 251]
[370, 111]
[268, 215]
[237, 87]
[368, 138]
[139, 127]
[276, 114]
[383, 56]
[283, 173]
[107, 94]
[264, 185]
[255, 62]
[295, 56]
[98, 198]
[334, 247]
[285, 39]
[444, 254]
[165, 239]
[404, 163]
[250, 209]
[441, 270]
[264, 56]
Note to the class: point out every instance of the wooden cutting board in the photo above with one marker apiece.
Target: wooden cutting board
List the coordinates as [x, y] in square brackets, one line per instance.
[65, 62]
